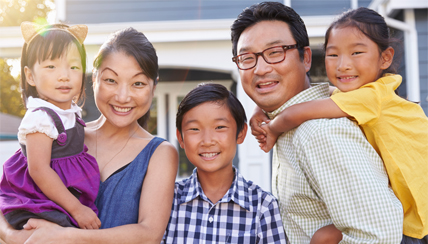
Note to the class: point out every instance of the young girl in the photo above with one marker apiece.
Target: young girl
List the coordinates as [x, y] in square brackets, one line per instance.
[51, 176]
[358, 62]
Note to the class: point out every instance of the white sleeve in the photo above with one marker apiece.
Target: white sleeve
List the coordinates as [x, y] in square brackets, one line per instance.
[37, 121]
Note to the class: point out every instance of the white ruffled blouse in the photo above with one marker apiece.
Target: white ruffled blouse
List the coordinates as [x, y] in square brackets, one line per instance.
[40, 121]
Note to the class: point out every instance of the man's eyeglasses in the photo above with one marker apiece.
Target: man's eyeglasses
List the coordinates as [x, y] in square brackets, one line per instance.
[271, 55]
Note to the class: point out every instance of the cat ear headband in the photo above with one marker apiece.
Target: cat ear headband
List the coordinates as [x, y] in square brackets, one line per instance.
[30, 30]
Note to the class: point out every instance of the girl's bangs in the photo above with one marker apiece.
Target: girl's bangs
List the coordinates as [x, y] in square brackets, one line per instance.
[52, 44]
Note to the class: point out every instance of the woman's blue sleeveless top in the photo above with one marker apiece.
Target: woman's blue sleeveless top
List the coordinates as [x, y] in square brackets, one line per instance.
[118, 198]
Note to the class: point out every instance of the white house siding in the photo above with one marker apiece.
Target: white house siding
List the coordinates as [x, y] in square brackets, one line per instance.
[7, 149]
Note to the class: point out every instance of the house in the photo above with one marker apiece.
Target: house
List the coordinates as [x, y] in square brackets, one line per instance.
[192, 39]
[9, 126]
[8, 137]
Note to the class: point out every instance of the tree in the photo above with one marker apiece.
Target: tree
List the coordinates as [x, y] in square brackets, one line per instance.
[10, 97]
[13, 13]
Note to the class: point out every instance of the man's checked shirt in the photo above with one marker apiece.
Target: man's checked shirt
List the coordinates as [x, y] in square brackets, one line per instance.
[246, 214]
[325, 172]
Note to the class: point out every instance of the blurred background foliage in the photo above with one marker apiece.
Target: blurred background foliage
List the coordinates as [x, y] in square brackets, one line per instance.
[13, 13]
[10, 97]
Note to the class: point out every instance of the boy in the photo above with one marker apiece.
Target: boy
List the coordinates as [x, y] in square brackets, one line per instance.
[216, 204]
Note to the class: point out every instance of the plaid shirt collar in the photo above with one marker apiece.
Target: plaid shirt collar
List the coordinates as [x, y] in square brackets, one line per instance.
[316, 91]
[193, 189]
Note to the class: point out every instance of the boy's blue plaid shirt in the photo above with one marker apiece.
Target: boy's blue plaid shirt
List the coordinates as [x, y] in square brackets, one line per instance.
[245, 214]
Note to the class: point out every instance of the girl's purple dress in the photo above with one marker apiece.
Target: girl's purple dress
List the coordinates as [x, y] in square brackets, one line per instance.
[21, 199]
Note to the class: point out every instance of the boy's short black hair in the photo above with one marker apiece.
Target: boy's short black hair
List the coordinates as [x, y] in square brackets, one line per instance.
[211, 92]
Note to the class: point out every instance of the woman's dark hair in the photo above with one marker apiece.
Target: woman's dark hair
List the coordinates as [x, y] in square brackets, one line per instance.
[216, 93]
[270, 11]
[49, 44]
[372, 25]
[135, 44]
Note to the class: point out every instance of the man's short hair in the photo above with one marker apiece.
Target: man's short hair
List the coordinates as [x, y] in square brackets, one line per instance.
[216, 93]
[270, 11]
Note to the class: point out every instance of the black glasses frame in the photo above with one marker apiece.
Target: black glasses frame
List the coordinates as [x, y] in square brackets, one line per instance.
[285, 47]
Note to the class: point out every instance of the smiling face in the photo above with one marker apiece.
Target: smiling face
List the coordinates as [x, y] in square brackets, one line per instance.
[271, 85]
[59, 80]
[209, 137]
[353, 60]
[122, 92]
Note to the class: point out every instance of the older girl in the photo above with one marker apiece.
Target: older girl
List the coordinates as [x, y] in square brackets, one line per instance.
[359, 60]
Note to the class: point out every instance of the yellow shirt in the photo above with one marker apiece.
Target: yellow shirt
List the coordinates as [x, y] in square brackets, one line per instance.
[398, 130]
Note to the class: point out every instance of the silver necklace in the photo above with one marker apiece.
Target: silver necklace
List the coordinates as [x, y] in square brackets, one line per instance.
[96, 147]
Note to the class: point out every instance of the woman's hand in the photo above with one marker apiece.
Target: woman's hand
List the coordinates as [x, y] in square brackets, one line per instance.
[19, 236]
[10, 235]
[44, 232]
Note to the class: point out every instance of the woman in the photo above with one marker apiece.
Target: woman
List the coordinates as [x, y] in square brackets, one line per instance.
[124, 81]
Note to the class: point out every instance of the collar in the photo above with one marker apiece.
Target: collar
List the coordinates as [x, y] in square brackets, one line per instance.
[238, 191]
[33, 103]
[316, 91]
[391, 80]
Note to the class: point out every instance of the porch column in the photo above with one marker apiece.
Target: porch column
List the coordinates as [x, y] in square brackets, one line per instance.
[254, 164]
[411, 57]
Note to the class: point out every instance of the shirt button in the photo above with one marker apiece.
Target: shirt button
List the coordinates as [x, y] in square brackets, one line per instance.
[211, 219]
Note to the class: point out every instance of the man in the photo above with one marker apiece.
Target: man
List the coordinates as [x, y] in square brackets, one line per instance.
[324, 172]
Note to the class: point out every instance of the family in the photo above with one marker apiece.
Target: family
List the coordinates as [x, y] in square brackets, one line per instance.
[349, 163]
